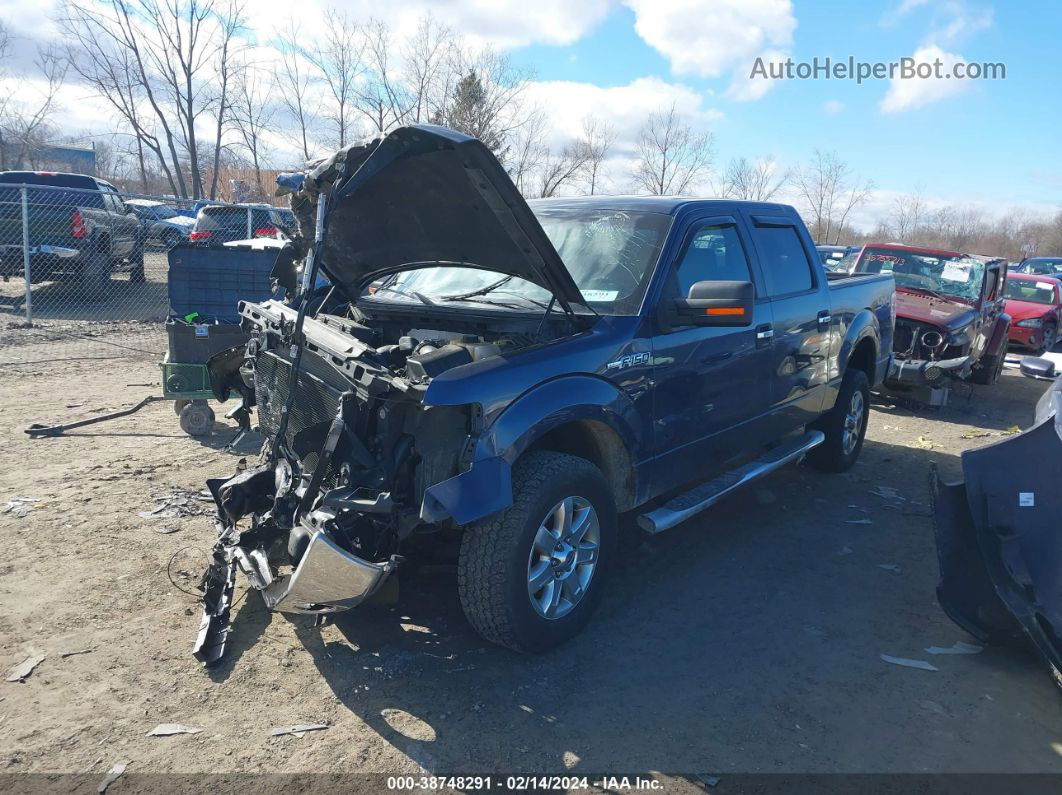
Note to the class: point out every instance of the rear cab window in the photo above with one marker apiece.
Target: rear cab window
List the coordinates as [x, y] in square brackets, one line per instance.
[787, 269]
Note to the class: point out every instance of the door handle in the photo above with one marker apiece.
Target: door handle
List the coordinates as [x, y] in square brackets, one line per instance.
[825, 318]
[764, 335]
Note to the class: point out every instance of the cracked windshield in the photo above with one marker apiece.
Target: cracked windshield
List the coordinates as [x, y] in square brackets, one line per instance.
[610, 254]
[955, 277]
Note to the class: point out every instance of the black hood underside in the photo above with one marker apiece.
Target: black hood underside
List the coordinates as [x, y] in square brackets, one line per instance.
[425, 194]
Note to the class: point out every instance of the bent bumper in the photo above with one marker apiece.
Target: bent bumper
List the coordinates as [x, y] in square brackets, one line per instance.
[328, 579]
[922, 372]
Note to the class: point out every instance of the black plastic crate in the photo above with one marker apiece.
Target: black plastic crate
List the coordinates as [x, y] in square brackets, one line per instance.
[212, 281]
[196, 343]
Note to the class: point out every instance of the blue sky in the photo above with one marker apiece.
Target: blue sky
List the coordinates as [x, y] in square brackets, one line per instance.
[993, 141]
[991, 144]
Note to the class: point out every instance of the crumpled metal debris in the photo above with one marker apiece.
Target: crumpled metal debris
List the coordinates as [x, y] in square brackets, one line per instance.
[20, 506]
[908, 663]
[178, 504]
[112, 775]
[19, 672]
[168, 729]
[298, 730]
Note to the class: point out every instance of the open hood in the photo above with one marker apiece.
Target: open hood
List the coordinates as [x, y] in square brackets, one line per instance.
[427, 194]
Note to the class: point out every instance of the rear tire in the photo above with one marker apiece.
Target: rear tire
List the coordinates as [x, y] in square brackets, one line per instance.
[96, 274]
[528, 578]
[845, 425]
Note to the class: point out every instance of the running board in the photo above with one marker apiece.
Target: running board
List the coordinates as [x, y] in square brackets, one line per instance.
[709, 493]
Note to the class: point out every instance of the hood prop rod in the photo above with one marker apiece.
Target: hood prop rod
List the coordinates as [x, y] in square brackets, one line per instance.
[309, 278]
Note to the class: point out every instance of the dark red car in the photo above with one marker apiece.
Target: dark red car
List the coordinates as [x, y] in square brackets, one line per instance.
[1033, 303]
[950, 320]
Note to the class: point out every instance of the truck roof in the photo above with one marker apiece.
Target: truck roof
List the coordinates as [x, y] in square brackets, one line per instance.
[667, 205]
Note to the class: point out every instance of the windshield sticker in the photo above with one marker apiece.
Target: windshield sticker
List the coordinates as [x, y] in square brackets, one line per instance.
[1044, 286]
[600, 295]
[957, 272]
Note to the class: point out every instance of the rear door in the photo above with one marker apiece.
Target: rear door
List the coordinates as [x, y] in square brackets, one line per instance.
[795, 285]
[710, 391]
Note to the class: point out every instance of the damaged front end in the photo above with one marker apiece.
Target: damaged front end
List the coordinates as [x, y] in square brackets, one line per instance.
[999, 541]
[925, 360]
[349, 460]
[356, 458]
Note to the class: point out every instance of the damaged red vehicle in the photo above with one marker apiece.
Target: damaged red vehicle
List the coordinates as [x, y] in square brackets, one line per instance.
[950, 318]
[1033, 303]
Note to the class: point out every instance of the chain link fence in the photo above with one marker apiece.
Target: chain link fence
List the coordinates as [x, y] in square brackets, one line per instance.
[84, 269]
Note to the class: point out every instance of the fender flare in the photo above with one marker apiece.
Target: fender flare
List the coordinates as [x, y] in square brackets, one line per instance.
[998, 342]
[557, 402]
[486, 486]
[863, 326]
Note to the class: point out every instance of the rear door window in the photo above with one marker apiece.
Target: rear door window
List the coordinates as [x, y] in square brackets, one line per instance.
[786, 267]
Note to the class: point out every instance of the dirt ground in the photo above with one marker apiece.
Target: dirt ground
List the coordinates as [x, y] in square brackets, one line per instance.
[747, 640]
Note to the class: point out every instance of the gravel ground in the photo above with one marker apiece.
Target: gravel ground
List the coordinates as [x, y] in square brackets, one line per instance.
[747, 640]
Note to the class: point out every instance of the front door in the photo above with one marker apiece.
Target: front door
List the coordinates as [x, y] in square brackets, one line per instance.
[710, 392]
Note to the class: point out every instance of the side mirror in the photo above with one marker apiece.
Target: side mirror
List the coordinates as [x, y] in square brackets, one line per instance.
[714, 303]
[1035, 367]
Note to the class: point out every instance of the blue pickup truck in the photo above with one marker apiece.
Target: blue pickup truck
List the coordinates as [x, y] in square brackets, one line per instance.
[508, 376]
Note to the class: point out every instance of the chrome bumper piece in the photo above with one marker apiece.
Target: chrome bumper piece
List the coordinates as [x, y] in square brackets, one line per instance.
[328, 579]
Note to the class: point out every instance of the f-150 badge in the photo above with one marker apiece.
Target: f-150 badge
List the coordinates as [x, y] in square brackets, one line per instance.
[629, 360]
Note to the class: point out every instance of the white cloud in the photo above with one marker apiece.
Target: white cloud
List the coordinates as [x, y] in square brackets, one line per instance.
[503, 24]
[916, 92]
[708, 38]
[624, 107]
[746, 88]
[832, 107]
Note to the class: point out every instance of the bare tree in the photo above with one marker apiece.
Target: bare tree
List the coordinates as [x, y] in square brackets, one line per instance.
[429, 55]
[294, 86]
[597, 141]
[672, 156]
[485, 99]
[907, 216]
[104, 51]
[560, 169]
[753, 180]
[252, 114]
[230, 21]
[830, 192]
[338, 59]
[528, 151]
[380, 95]
[24, 126]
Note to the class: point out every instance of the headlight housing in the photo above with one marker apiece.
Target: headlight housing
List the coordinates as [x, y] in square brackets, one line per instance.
[1033, 322]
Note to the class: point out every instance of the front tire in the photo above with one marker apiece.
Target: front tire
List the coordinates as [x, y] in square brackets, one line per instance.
[987, 371]
[845, 425]
[1050, 334]
[530, 577]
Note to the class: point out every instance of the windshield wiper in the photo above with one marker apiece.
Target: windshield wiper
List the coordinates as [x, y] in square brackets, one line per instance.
[419, 296]
[928, 291]
[481, 291]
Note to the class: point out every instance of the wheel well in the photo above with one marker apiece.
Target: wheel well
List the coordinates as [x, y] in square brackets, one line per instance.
[862, 358]
[600, 445]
